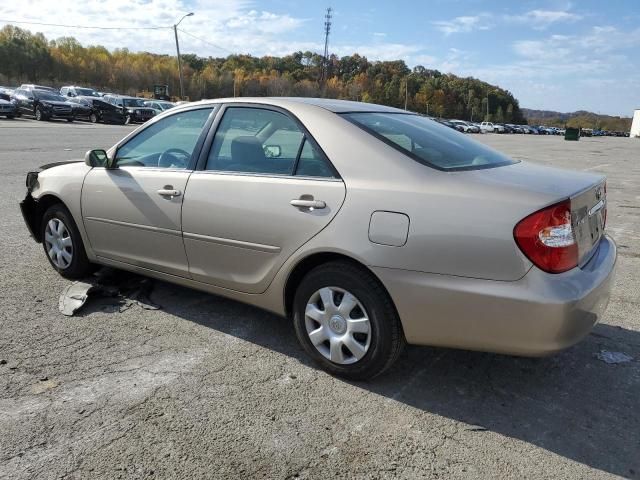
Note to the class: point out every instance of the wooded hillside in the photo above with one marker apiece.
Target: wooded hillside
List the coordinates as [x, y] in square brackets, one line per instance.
[27, 57]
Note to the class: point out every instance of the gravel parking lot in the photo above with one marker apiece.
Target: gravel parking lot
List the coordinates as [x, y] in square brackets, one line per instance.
[209, 388]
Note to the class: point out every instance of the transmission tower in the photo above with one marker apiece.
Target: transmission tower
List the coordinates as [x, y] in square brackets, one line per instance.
[327, 30]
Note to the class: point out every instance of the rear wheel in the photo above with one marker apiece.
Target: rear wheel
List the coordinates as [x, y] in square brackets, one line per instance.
[346, 322]
[63, 244]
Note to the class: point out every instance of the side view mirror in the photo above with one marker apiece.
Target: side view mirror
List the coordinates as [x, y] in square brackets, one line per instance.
[96, 158]
[69, 94]
[272, 151]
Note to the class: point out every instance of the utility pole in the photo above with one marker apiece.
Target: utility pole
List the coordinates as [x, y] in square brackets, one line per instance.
[175, 32]
[406, 92]
[327, 31]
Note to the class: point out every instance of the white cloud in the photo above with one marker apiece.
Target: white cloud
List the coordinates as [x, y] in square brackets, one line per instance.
[233, 25]
[541, 19]
[463, 24]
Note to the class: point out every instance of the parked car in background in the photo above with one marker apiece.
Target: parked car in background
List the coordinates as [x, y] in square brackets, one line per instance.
[7, 108]
[159, 105]
[43, 104]
[446, 123]
[99, 109]
[491, 127]
[465, 127]
[515, 128]
[346, 217]
[586, 132]
[133, 108]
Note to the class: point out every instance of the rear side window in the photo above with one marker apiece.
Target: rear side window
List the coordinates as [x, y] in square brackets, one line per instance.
[255, 140]
[429, 142]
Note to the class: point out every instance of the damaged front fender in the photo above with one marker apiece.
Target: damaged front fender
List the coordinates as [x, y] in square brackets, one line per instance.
[29, 209]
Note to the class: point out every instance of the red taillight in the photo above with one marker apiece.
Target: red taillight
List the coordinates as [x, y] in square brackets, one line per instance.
[546, 238]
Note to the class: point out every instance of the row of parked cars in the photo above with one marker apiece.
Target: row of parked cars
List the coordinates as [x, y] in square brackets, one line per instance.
[490, 127]
[77, 103]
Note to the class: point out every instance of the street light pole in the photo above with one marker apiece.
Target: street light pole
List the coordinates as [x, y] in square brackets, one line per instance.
[175, 31]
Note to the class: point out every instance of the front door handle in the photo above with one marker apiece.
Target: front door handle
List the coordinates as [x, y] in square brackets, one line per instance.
[308, 204]
[167, 192]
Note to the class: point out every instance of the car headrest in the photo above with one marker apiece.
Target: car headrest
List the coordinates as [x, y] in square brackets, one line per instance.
[247, 149]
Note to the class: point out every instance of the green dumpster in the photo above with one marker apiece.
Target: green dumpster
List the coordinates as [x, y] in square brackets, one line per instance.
[571, 133]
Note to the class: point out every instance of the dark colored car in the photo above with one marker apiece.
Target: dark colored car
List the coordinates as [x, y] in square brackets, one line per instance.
[99, 109]
[43, 104]
[447, 123]
[134, 109]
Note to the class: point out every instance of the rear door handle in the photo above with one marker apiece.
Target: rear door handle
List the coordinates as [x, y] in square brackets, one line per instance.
[309, 204]
[169, 193]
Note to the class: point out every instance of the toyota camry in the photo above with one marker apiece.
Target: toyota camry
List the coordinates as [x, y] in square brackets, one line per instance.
[368, 226]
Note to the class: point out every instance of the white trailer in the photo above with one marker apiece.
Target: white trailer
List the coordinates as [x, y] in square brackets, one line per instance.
[635, 125]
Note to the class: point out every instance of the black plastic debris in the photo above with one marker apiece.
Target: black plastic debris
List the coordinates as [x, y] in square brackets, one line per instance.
[125, 289]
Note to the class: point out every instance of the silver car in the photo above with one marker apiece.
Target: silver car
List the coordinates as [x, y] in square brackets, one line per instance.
[368, 226]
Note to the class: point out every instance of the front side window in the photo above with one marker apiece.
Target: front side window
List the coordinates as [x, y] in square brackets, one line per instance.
[428, 142]
[168, 143]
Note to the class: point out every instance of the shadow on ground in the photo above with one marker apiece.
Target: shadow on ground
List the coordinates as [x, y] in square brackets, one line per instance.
[571, 404]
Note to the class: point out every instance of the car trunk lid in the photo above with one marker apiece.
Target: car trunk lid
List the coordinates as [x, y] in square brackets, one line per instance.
[588, 218]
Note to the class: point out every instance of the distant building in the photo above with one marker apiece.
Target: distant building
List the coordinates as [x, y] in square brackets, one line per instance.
[635, 125]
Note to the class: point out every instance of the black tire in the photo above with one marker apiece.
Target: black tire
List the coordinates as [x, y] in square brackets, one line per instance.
[10, 117]
[70, 119]
[79, 266]
[93, 118]
[387, 337]
[39, 114]
[127, 120]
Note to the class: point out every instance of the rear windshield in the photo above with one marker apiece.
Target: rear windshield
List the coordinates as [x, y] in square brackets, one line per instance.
[429, 142]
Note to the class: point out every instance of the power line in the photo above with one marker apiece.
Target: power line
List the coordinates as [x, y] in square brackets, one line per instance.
[83, 26]
[205, 41]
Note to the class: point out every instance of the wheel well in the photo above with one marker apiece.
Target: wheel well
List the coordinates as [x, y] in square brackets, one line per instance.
[42, 205]
[309, 263]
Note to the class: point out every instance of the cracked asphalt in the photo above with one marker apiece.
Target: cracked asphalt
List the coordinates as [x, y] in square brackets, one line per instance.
[209, 388]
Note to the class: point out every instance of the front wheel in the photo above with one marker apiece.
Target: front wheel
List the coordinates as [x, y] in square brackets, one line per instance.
[346, 321]
[39, 114]
[70, 119]
[63, 244]
[93, 118]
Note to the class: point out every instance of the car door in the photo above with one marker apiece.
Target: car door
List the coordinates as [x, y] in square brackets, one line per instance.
[25, 101]
[263, 189]
[132, 210]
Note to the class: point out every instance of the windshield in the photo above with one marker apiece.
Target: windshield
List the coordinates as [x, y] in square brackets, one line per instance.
[44, 95]
[87, 92]
[133, 102]
[428, 142]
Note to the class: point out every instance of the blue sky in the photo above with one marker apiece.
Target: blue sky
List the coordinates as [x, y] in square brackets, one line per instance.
[553, 55]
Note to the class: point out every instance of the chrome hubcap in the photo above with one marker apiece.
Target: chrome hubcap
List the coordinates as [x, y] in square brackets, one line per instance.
[338, 325]
[58, 243]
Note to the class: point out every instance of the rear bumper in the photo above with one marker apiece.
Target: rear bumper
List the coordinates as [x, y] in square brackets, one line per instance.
[537, 315]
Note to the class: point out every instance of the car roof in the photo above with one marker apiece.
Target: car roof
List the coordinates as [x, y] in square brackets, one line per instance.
[333, 105]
